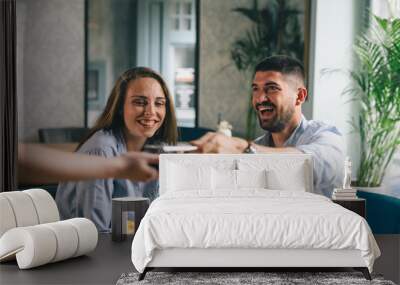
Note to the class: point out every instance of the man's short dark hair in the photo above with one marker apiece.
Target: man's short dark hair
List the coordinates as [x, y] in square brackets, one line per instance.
[283, 64]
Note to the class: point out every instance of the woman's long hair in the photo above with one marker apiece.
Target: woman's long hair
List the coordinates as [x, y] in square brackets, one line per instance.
[112, 118]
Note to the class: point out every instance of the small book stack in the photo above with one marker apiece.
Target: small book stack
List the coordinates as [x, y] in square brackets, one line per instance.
[344, 194]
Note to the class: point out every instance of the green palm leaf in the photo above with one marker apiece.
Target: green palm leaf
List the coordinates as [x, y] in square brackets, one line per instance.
[377, 88]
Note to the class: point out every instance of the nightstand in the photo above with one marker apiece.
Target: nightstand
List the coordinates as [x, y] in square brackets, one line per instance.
[356, 205]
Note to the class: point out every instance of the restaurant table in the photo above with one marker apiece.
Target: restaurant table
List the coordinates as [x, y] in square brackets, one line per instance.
[69, 147]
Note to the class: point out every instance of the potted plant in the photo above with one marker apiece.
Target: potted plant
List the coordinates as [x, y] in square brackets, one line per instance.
[377, 88]
[276, 30]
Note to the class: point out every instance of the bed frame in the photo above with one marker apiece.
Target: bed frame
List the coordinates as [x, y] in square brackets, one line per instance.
[259, 259]
[248, 259]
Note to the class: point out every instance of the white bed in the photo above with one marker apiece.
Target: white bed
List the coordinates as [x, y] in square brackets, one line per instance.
[247, 211]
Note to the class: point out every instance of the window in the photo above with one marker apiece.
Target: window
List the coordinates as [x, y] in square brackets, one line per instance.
[182, 17]
[160, 34]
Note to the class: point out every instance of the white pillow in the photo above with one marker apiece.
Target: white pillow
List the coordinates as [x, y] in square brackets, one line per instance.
[251, 178]
[291, 180]
[223, 179]
[188, 177]
[287, 173]
[227, 179]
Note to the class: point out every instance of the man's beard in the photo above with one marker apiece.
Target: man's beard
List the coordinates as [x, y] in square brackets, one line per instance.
[278, 122]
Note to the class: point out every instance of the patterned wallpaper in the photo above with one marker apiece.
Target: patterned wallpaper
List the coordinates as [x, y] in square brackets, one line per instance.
[222, 88]
[50, 62]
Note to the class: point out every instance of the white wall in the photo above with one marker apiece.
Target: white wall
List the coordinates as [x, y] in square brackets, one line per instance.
[336, 24]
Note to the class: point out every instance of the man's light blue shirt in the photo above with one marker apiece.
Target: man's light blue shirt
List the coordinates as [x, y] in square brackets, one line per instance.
[325, 144]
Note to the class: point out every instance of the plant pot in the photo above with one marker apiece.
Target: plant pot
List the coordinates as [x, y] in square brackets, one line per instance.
[383, 211]
[377, 190]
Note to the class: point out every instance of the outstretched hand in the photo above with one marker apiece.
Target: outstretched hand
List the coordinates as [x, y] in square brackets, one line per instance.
[137, 166]
[38, 164]
[219, 143]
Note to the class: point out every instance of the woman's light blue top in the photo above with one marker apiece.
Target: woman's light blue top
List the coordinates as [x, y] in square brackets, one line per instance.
[92, 198]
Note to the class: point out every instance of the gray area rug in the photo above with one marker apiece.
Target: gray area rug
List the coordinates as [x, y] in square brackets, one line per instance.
[225, 278]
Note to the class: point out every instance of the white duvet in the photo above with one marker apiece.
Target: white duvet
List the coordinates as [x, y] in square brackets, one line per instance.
[256, 218]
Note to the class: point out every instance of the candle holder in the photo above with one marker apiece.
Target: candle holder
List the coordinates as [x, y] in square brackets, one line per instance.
[127, 212]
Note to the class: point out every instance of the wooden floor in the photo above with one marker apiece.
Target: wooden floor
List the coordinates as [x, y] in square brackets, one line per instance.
[111, 259]
[389, 262]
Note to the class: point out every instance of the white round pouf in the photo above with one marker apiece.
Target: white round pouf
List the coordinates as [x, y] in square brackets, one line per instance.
[87, 234]
[7, 218]
[45, 205]
[23, 208]
[67, 239]
[31, 232]
[33, 246]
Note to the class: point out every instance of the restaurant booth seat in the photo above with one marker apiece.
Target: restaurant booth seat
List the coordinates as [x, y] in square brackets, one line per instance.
[62, 135]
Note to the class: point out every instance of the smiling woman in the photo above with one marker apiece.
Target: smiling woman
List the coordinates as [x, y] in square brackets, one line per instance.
[144, 110]
[138, 111]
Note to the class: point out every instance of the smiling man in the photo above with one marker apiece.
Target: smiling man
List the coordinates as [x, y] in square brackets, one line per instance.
[278, 92]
